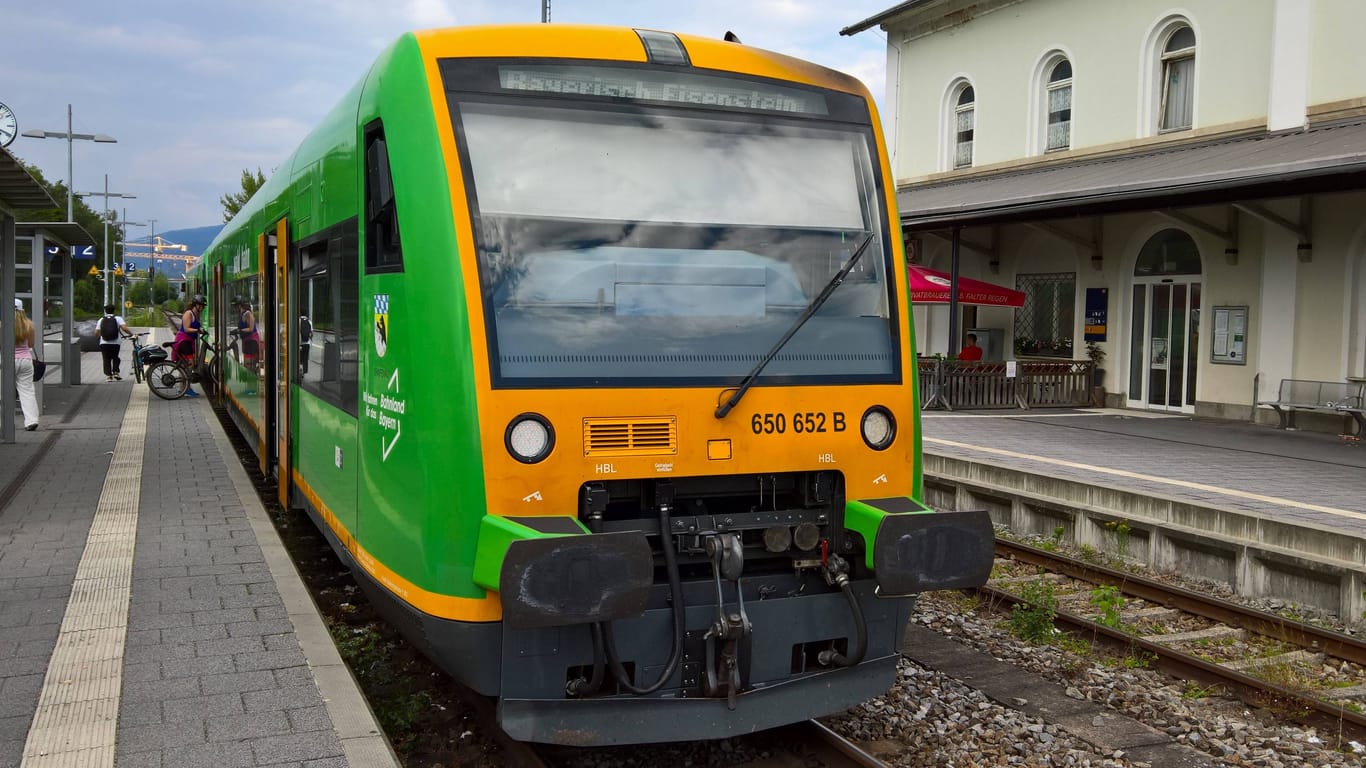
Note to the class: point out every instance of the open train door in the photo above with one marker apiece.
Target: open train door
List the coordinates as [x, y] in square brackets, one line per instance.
[274, 327]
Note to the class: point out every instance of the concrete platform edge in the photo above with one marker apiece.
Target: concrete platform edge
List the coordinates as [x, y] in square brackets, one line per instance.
[362, 740]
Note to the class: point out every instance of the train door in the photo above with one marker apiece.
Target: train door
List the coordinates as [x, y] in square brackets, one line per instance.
[273, 325]
[280, 360]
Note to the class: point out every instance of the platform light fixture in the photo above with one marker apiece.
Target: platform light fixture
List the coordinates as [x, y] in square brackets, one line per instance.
[70, 137]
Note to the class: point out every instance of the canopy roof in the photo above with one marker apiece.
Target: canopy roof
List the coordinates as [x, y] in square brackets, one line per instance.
[61, 232]
[1324, 158]
[18, 188]
[929, 286]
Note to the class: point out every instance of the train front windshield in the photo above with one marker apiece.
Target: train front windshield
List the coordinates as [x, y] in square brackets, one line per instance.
[629, 235]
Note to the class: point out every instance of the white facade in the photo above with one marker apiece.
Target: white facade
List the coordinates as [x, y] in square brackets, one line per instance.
[1202, 68]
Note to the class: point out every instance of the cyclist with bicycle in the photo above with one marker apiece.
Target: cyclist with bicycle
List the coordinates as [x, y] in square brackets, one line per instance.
[187, 338]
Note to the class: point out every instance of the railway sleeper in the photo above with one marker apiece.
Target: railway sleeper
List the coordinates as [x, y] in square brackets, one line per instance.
[1213, 633]
[1355, 692]
[1056, 578]
[1154, 612]
[1292, 657]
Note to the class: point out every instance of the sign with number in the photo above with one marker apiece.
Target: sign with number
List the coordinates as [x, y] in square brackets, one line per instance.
[131, 266]
[77, 251]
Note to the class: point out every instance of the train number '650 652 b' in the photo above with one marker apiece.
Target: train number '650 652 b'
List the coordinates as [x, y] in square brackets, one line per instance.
[800, 422]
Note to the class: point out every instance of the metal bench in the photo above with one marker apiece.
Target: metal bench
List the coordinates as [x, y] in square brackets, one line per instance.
[1323, 396]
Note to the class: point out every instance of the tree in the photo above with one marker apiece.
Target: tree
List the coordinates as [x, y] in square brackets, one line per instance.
[161, 289]
[233, 201]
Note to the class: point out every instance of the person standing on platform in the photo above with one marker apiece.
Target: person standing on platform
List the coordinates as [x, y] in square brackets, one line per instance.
[110, 327]
[187, 338]
[23, 365]
[970, 350]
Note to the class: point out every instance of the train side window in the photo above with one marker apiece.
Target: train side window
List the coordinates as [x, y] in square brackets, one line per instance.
[383, 248]
[328, 294]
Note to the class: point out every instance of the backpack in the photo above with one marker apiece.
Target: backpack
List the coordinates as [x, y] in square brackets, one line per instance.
[109, 328]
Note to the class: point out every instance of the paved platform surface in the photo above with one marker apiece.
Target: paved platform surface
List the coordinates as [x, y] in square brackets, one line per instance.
[1299, 477]
[221, 657]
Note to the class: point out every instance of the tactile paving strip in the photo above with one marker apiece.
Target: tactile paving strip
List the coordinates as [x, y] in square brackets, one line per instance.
[77, 716]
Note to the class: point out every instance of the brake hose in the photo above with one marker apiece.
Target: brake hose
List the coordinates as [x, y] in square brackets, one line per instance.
[680, 618]
[833, 656]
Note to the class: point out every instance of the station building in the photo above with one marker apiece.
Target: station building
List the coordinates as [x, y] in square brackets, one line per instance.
[1185, 185]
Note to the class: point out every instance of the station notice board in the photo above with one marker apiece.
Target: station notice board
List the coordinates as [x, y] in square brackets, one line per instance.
[1230, 336]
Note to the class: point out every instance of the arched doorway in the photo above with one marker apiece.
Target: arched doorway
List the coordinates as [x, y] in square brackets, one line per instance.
[1165, 323]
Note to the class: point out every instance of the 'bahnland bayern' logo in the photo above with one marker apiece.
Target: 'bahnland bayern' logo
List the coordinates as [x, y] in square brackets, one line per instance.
[381, 323]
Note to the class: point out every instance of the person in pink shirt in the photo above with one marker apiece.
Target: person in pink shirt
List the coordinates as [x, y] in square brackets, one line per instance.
[23, 365]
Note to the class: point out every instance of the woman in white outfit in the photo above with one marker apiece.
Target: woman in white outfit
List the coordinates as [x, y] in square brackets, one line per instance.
[23, 365]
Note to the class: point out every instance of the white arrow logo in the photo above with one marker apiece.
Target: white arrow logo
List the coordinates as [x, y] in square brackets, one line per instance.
[388, 445]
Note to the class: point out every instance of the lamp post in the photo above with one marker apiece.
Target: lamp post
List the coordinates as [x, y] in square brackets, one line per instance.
[106, 194]
[70, 137]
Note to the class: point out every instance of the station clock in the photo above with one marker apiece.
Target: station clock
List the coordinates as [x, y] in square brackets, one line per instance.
[9, 126]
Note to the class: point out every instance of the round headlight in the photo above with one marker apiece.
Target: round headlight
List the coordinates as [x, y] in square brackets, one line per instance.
[879, 428]
[529, 438]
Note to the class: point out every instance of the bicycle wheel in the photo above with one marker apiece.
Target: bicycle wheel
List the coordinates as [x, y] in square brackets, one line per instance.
[168, 380]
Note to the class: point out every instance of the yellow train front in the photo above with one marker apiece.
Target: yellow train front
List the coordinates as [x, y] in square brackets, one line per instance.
[607, 389]
[696, 323]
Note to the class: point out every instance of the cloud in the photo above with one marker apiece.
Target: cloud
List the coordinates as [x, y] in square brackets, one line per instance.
[195, 92]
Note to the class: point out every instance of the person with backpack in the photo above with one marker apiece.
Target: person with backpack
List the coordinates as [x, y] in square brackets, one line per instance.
[111, 325]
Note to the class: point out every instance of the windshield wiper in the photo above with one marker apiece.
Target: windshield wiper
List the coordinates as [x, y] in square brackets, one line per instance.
[811, 309]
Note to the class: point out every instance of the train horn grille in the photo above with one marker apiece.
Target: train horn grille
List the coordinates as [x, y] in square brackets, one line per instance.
[630, 437]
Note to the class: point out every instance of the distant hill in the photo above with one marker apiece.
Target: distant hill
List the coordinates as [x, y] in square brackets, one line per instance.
[195, 240]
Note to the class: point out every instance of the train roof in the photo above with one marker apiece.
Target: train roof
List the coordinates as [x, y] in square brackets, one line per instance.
[543, 41]
[624, 44]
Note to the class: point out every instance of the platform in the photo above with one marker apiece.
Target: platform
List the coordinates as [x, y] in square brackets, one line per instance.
[1271, 512]
[149, 615]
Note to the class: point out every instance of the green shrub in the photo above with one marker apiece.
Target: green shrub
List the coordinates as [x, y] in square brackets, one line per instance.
[1032, 619]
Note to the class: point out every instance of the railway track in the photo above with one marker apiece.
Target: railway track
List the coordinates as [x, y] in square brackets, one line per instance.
[1212, 633]
[832, 750]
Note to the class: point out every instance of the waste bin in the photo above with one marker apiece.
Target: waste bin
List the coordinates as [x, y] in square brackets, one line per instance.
[71, 362]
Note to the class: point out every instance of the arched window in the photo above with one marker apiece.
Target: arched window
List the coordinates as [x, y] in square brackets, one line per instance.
[1169, 252]
[964, 124]
[1178, 80]
[1058, 106]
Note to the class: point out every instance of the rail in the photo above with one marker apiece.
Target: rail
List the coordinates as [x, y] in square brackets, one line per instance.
[1302, 706]
[952, 384]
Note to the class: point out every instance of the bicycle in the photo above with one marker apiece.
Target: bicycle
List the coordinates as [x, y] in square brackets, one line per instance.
[170, 379]
[144, 356]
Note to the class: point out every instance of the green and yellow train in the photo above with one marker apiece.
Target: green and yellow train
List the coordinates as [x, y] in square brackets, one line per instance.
[590, 351]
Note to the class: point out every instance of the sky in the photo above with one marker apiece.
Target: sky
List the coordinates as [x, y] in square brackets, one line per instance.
[196, 91]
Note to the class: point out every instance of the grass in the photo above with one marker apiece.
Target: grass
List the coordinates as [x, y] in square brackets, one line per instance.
[1193, 691]
[1032, 620]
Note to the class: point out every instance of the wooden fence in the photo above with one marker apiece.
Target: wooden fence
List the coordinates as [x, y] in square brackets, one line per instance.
[953, 384]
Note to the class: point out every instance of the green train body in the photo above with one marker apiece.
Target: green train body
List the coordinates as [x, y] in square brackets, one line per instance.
[508, 292]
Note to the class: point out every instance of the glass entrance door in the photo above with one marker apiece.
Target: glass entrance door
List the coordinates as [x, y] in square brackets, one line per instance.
[1164, 340]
